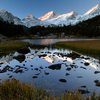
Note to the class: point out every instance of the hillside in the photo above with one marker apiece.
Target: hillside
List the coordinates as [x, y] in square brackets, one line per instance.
[88, 28]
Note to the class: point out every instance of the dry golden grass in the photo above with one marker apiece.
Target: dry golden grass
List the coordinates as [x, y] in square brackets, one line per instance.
[15, 90]
[11, 45]
[90, 47]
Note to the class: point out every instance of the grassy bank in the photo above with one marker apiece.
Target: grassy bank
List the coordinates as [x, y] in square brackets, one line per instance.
[15, 90]
[9, 46]
[91, 47]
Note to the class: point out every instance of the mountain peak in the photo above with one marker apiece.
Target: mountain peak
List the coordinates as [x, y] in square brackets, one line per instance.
[50, 12]
[29, 18]
[49, 15]
[98, 6]
[72, 13]
[3, 10]
[9, 17]
[93, 10]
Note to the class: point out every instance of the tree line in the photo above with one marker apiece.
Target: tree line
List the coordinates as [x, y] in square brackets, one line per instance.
[88, 28]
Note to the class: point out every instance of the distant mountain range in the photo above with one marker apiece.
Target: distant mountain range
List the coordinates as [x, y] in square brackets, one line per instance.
[51, 18]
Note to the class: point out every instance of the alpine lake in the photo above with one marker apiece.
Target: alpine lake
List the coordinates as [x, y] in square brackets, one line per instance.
[55, 70]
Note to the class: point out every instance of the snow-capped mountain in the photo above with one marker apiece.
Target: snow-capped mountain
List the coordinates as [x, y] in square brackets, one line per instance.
[50, 18]
[94, 10]
[63, 18]
[30, 20]
[73, 18]
[48, 15]
[7, 16]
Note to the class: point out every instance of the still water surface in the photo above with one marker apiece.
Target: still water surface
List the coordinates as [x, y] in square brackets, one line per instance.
[55, 70]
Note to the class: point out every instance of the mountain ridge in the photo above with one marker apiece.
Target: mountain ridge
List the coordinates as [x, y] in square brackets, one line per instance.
[50, 18]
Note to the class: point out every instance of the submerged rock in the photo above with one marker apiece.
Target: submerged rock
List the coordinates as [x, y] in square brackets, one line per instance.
[73, 55]
[6, 68]
[24, 50]
[36, 69]
[19, 69]
[83, 67]
[68, 69]
[97, 83]
[67, 74]
[96, 72]
[37, 74]
[62, 80]
[34, 77]
[10, 76]
[83, 86]
[82, 91]
[55, 67]
[43, 55]
[20, 58]
[46, 73]
[86, 64]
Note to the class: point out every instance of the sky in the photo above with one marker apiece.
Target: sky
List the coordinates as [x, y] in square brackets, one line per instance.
[37, 8]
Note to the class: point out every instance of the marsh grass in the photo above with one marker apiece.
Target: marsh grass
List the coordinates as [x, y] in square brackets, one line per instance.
[7, 47]
[90, 47]
[16, 90]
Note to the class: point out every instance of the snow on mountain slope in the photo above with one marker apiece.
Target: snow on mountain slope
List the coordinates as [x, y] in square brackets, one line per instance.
[63, 19]
[72, 17]
[48, 15]
[7, 16]
[50, 18]
[94, 10]
[30, 20]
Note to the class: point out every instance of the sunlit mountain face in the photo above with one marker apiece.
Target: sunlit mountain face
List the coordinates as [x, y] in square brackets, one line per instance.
[94, 10]
[48, 15]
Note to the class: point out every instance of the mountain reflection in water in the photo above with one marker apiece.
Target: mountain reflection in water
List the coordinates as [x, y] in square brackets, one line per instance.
[55, 70]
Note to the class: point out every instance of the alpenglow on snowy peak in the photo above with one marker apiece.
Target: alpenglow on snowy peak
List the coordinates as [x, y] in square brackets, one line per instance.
[63, 19]
[7, 16]
[94, 10]
[48, 16]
